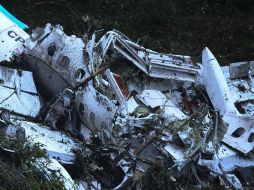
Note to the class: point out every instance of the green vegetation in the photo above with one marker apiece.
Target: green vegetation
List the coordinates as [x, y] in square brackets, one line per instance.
[174, 26]
[16, 169]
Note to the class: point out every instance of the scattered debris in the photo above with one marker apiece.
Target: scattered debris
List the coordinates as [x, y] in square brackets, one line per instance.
[111, 114]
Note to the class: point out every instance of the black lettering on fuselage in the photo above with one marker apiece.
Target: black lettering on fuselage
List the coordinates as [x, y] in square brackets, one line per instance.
[15, 36]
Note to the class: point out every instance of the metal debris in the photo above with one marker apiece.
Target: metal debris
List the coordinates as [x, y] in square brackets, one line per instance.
[108, 111]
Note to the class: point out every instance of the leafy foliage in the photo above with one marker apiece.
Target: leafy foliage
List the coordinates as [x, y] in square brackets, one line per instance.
[17, 170]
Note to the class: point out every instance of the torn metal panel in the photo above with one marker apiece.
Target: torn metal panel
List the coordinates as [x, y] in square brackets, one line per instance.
[128, 174]
[152, 63]
[227, 160]
[17, 79]
[120, 96]
[240, 134]
[129, 107]
[18, 92]
[22, 103]
[170, 66]
[60, 107]
[110, 166]
[57, 144]
[241, 88]
[145, 151]
[178, 155]
[155, 99]
[241, 69]
[152, 98]
[150, 108]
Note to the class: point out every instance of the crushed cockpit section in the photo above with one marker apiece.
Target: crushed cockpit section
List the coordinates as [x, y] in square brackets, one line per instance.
[112, 114]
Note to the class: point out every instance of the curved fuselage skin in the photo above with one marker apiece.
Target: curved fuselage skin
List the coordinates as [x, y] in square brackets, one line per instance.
[59, 69]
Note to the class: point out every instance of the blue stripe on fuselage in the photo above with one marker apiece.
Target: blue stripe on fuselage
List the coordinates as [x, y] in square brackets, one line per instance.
[13, 18]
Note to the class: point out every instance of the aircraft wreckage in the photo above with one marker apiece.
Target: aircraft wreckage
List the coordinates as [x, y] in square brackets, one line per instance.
[111, 109]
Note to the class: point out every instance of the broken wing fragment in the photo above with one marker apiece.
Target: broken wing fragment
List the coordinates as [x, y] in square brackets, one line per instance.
[18, 92]
[51, 167]
[215, 84]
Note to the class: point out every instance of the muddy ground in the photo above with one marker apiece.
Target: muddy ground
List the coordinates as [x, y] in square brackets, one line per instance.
[170, 26]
